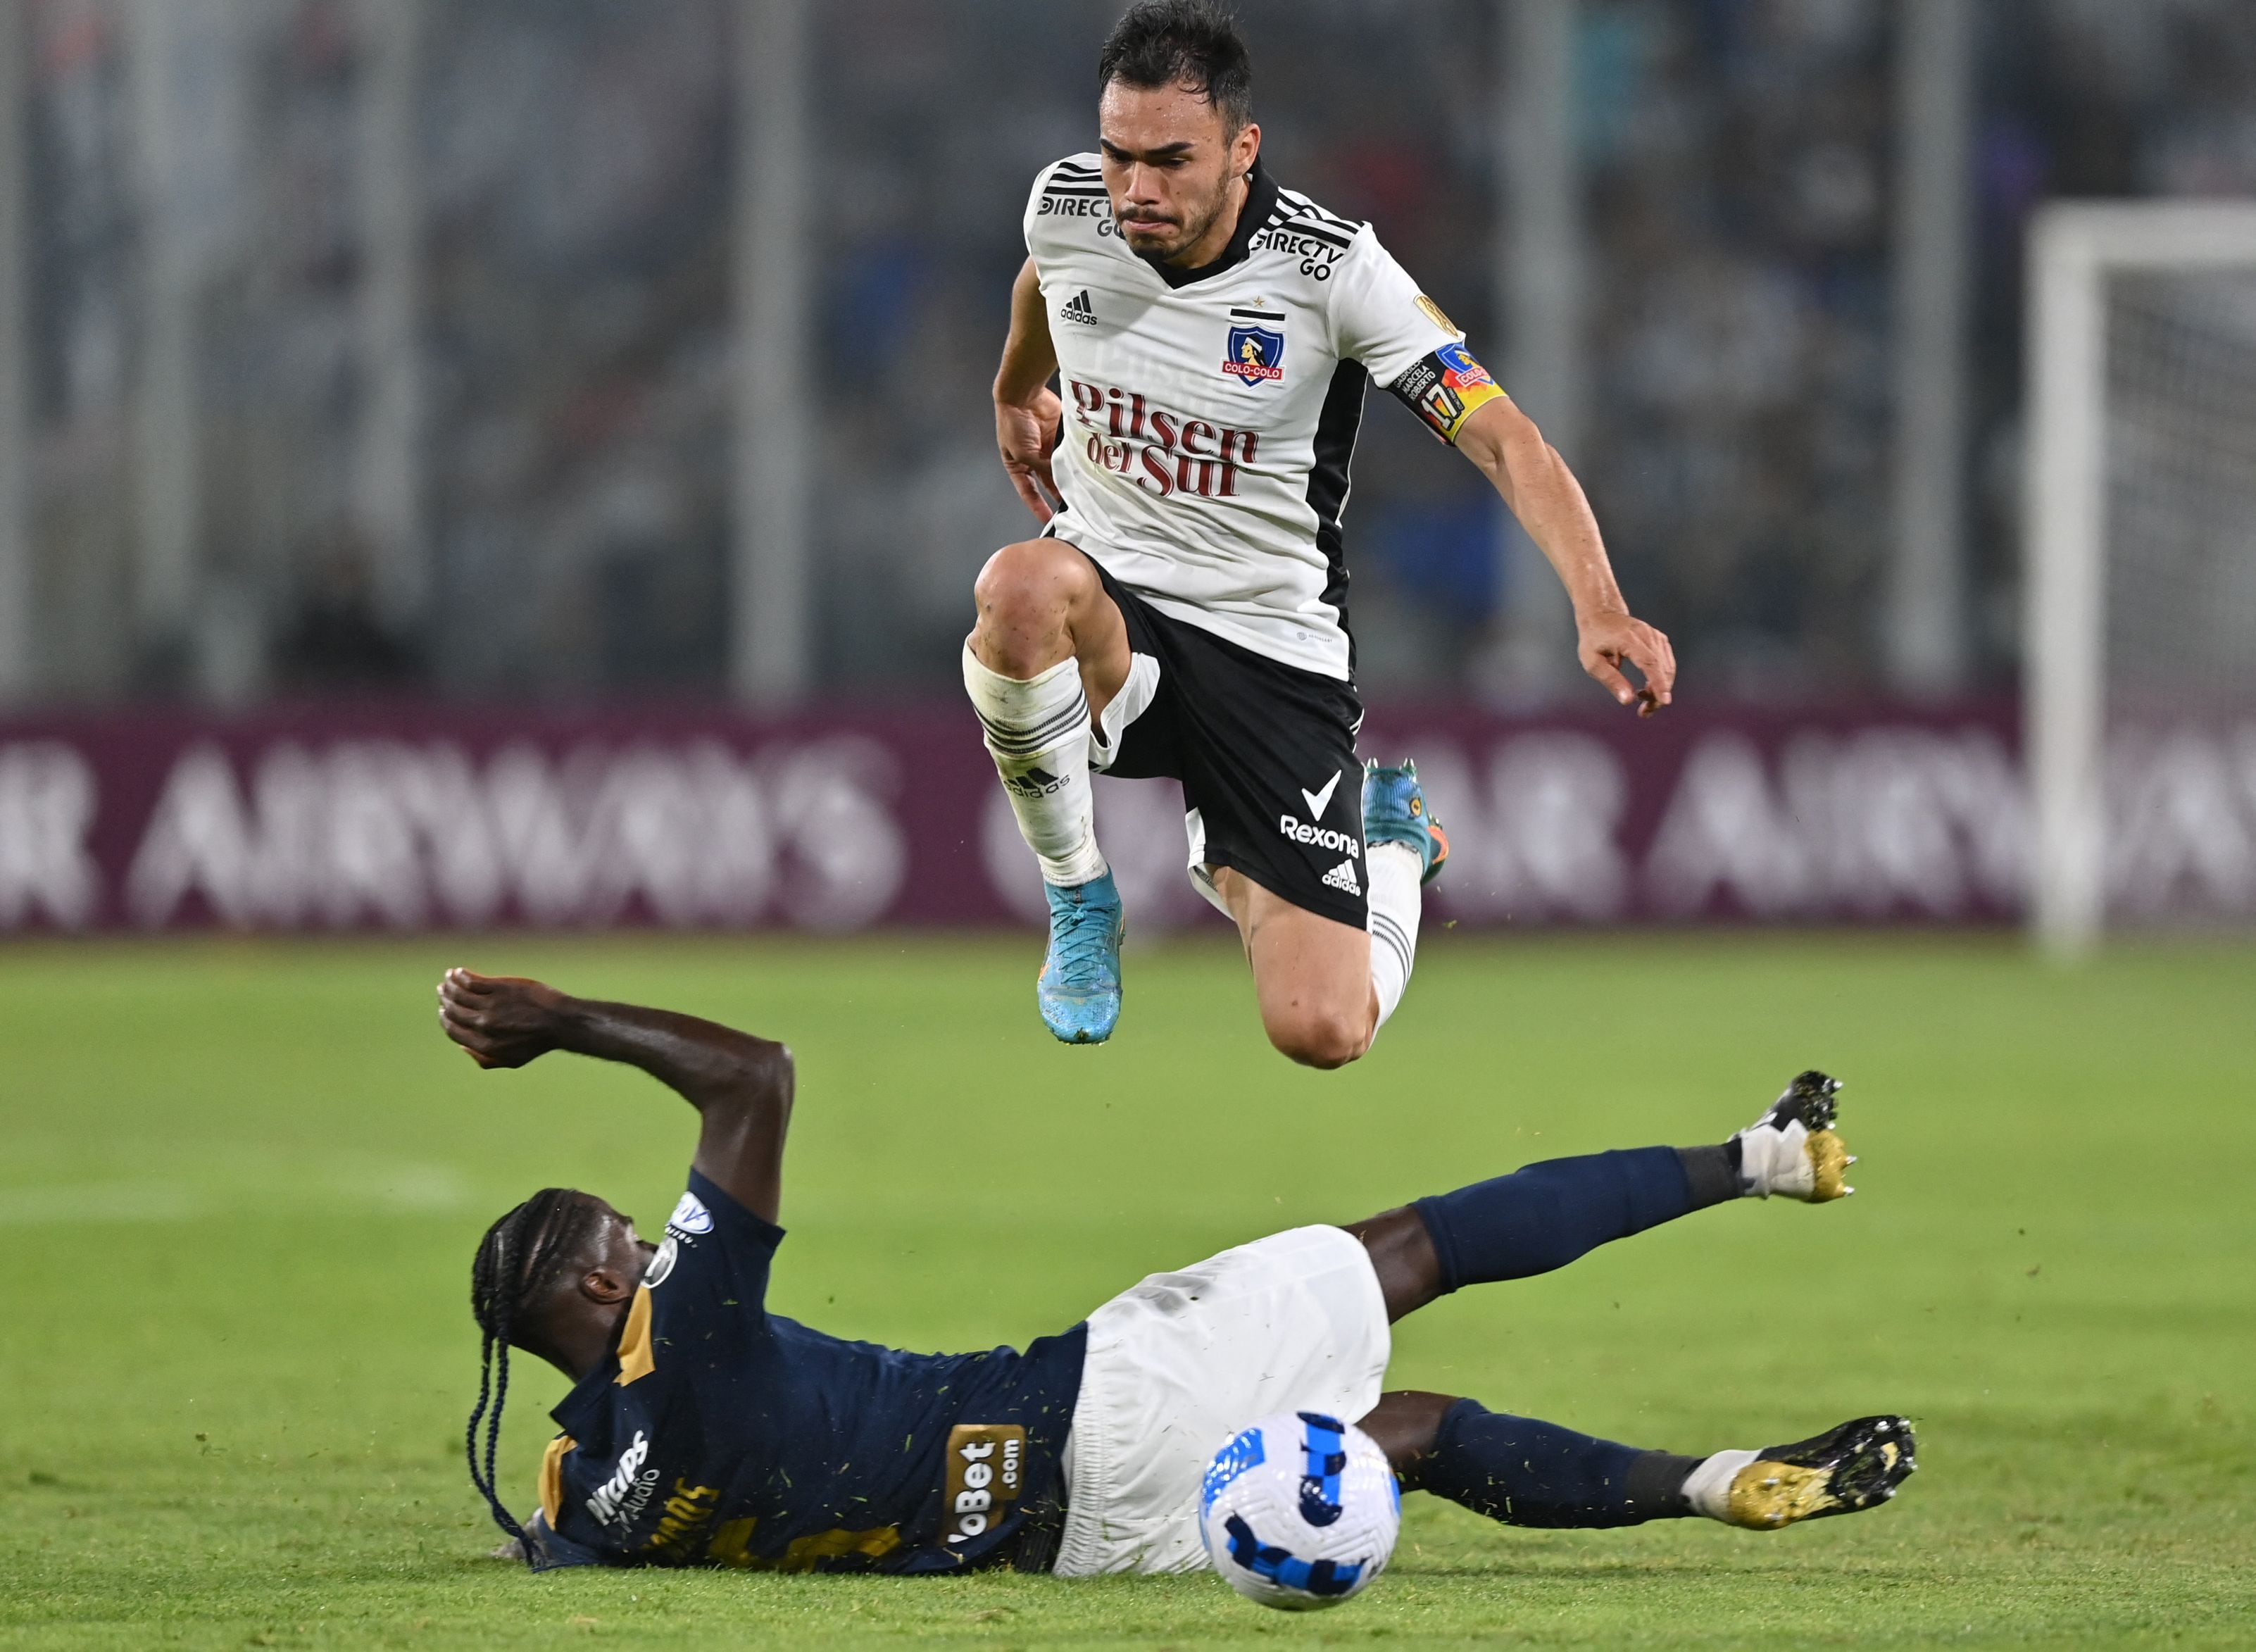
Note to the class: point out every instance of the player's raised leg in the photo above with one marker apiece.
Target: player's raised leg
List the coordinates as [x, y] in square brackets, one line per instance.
[1312, 975]
[1326, 987]
[1049, 651]
[1543, 1216]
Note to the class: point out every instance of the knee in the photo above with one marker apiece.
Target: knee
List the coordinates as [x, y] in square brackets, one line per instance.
[1320, 1038]
[1027, 585]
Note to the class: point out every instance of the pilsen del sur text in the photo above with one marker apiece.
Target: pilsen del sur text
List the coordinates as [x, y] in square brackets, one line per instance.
[1163, 453]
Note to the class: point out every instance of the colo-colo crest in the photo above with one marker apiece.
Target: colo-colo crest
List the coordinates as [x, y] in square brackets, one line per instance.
[1255, 355]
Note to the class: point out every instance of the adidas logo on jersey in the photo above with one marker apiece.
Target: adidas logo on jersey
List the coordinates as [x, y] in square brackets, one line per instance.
[1078, 308]
[1343, 877]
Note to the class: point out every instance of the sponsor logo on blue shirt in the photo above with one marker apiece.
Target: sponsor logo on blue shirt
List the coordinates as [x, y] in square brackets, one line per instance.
[690, 1218]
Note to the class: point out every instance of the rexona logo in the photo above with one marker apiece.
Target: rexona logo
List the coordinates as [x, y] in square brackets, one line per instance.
[689, 1216]
[986, 1468]
[1162, 452]
[1319, 837]
[619, 1498]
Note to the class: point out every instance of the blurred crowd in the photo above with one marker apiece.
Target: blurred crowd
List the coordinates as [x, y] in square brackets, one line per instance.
[576, 182]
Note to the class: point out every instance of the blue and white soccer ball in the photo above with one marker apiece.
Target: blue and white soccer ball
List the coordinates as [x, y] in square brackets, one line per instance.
[1299, 1511]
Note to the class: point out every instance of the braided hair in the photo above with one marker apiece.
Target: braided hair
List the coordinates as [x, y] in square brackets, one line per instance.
[518, 1259]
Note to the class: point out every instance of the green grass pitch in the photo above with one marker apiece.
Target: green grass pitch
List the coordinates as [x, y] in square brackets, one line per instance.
[240, 1184]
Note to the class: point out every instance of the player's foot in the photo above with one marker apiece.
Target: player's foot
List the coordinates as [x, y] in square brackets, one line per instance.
[1857, 1465]
[1792, 1150]
[1394, 812]
[1079, 990]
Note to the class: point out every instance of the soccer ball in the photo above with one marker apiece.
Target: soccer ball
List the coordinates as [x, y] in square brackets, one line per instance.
[1299, 1511]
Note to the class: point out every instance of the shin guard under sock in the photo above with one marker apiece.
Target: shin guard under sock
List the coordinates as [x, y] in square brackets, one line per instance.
[1527, 1473]
[1036, 729]
[1544, 1216]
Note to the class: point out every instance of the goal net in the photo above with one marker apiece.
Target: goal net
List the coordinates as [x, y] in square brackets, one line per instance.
[2140, 678]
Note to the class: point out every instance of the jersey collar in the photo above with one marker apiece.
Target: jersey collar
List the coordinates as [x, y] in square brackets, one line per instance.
[1260, 202]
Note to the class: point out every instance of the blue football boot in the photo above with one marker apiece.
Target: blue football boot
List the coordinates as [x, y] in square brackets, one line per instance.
[1079, 989]
[1394, 812]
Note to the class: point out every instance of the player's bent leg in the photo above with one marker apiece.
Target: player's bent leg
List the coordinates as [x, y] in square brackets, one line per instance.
[1311, 974]
[1049, 651]
[1525, 1471]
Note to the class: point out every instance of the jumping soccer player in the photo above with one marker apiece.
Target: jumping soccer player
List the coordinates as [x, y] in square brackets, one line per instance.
[1184, 611]
[705, 1430]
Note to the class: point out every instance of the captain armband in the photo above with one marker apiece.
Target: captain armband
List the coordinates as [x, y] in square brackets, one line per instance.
[1444, 388]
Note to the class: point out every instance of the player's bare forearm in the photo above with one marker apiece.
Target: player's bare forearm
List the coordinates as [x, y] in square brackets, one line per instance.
[1029, 357]
[1542, 493]
[740, 1085]
[1027, 412]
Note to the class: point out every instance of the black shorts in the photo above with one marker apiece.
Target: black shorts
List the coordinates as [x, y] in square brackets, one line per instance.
[1265, 754]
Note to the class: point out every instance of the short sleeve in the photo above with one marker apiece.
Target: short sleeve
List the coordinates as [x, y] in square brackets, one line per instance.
[1379, 317]
[1066, 196]
[715, 1248]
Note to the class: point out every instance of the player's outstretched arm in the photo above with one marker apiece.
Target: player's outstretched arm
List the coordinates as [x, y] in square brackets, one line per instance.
[1542, 493]
[740, 1085]
[1028, 412]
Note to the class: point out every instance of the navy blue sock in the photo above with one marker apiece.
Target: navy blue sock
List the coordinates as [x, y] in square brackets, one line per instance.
[1544, 1216]
[1525, 1472]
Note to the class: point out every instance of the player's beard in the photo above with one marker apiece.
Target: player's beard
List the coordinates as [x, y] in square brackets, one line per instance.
[1193, 230]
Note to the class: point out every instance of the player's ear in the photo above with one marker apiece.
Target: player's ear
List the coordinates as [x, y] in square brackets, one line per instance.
[605, 1285]
[1246, 149]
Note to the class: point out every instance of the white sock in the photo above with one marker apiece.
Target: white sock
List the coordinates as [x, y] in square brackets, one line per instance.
[1708, 1488]
[1394, 870]
[1038, 733]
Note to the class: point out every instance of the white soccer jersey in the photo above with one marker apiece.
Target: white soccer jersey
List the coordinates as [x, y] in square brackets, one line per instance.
[1210, 419]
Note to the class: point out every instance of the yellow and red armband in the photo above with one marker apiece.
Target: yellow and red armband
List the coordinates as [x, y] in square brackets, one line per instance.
[1443, 389]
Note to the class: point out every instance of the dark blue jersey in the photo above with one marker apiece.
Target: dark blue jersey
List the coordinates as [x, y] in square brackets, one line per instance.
[720, 1434]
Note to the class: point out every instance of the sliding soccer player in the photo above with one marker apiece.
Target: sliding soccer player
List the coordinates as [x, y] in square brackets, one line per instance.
[1184, 611]
[703, 1429]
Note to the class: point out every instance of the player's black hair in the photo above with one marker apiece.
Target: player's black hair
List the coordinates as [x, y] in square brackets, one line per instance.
[1192, 42]
[518, 1259]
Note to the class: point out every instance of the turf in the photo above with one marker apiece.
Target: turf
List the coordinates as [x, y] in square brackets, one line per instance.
[240, 1184]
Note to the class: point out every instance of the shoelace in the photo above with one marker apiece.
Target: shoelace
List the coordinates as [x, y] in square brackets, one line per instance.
[1082, 937]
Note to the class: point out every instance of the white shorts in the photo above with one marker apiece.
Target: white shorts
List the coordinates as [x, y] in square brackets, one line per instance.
[1181, 1362]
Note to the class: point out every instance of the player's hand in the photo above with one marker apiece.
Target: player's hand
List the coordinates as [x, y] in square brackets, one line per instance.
[502, 1021]
[1027, 436]
[1612, 639]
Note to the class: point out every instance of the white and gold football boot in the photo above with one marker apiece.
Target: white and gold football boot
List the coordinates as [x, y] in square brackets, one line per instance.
[1856, 1465]
[1792, 1150]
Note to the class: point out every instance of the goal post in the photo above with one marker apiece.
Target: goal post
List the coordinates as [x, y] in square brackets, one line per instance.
[2079, 255]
